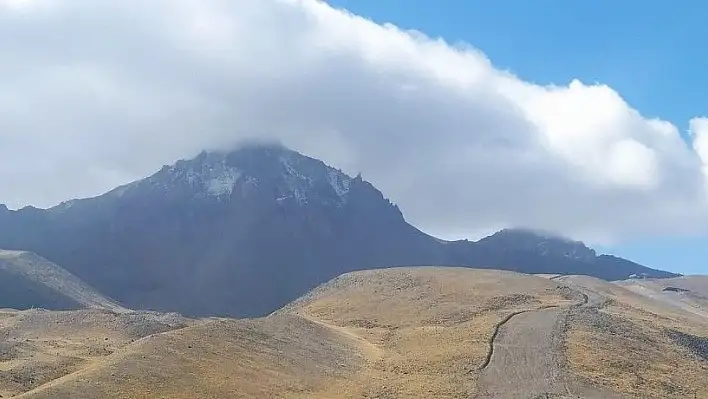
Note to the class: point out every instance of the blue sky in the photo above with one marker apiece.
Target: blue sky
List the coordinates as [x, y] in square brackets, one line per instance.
[652, 53]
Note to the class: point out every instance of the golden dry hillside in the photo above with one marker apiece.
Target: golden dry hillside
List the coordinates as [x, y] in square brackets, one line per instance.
[430, 327]
[39, 346]
[636, 342]
[390, 333]
[396, 333]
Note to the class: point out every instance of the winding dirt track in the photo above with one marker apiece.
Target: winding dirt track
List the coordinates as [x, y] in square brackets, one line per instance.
[495, 334]
[524, 358]
[523, 363]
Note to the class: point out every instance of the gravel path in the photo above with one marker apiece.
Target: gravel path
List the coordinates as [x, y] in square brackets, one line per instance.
[523, 363]
[526, 355]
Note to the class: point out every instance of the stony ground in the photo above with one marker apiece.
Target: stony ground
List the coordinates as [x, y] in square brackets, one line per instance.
[625, 343]
[524, 361]
[697, 345]
[39, 346]
[398, 333]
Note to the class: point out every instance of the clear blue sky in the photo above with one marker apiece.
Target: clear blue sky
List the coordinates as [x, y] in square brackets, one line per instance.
[652, 52]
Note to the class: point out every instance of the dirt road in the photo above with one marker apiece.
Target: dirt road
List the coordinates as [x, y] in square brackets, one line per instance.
[526, 357]
[523, 362]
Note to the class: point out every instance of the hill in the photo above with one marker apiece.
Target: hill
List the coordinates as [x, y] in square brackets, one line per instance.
[688, 292]
[638, 343]
[27, 280]
[40, 347]
[405, 332]
[386, 333]
[243, 233]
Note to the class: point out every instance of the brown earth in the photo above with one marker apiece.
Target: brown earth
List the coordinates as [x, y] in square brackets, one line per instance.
[628, 342]
[395, 333]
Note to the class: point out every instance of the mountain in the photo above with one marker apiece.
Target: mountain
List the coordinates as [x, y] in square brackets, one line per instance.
[540, 243]
[242, 233]
[238, 233]
[531, 251]
[27, 281]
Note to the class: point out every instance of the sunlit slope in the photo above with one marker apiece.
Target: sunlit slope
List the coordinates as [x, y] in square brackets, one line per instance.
[431, 326]
[640, 340]
[432, 332]
[391, 333]
[40, 346]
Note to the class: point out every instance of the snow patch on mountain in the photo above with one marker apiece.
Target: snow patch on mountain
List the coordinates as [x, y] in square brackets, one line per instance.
[220, 174]
[209, 174]
[339, 182]
[298, 184]
[224, 183]
[303, 179]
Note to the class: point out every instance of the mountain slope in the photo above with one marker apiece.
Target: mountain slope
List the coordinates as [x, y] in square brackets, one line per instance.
[41, 347]
[636, 342]
[418, 332]
[688, 292]
[239, 233]
[530, 251]
[435, 332]
[242, 233]
[27, 280]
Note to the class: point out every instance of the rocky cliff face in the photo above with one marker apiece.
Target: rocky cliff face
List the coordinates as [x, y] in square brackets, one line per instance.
[242, 233]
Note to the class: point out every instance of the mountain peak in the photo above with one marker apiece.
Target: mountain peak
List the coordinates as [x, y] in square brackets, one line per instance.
[243, 232]
[541, 242]
[272, 169]
[528, 233]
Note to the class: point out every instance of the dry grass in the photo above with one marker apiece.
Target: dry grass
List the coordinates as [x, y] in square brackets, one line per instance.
[393, 333]
[432, 325]
[625, 346]
[37, 346]
[276, 357]
[397, 333]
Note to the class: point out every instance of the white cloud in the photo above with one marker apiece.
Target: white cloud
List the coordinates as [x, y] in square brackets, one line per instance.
[99, 93]
[699, 133]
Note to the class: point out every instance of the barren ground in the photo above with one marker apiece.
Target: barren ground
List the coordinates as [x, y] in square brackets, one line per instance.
[396, 333]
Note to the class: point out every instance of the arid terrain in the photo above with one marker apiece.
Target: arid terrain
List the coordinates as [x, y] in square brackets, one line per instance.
[641, 340]
[395, 333]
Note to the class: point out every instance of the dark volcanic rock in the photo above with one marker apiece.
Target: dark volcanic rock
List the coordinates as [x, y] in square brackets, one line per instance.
[675, 289]
[243, 233]
[697, 345]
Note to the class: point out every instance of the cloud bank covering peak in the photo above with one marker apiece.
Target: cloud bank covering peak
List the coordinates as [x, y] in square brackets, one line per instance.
[96, 94]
